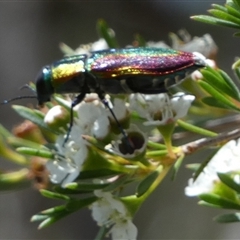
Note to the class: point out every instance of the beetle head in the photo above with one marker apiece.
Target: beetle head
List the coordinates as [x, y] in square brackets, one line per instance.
[44, 85]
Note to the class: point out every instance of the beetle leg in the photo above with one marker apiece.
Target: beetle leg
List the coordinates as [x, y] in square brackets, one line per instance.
[125, 136]
[75, 102]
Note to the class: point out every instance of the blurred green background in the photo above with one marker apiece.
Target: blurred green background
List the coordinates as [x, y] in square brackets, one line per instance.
[30, 32]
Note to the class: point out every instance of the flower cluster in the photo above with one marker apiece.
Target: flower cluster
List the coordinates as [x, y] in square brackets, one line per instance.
[98, 147]
[226, 160]
[109, 211]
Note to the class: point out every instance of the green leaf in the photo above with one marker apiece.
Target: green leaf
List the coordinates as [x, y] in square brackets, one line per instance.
[219, 7]
[86, 187]
[224, 16]
[4, 132]
[226, 179]
[54, 210]
[215, 21]
[219, 201]
[210, 101]
[105, 32]
[205, 204]
[54, 195]
[233, 11]
[102, 172]
[177, 166]
[218, 95]
[156, 153]
[155, 145]
[236, 67]
[77, 204]
[14, 180]
[221, 81]
[20, 142]
[58, 212]
[195, 129]
[10, 154]
[121, 180]
[50, 220]
[36, 152]
[146, 183]
[141, 42]
[234, 91]
[102, 233]
[38, 218]
[193, 166]
[29, 114]
[237, 4]
[236, 34]
[32, 115]
[66, 191]
[228, 218]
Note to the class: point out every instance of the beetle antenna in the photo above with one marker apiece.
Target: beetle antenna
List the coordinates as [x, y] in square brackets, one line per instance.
[16, 98]
[28, 87]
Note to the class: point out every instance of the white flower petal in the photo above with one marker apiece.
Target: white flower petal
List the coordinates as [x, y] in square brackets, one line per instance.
[100, 127]
[124, 230]
[181, 105]
[170, 109]
[62, 172]
[80, 156]
[110, 211]
[227, 159]
[101, 212]
[101, 44]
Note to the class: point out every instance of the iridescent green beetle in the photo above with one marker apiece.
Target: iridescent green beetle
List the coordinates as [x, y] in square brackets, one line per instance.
[117, 71]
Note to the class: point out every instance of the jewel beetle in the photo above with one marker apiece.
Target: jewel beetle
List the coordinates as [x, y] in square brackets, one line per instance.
[115, 71]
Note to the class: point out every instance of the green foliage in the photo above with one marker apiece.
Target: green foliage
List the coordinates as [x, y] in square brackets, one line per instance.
[227, 15]
[221, 88]
[228, 218]
[105, 171]
[107, 33]
[52, 215]
[218, 201]
[34, 116]
[144, 186]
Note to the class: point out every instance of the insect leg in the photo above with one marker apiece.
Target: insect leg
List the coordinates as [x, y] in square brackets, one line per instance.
[75, 102]
[125, 136]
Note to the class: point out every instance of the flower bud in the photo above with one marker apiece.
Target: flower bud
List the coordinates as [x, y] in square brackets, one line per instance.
[29, 131]
[57, 118]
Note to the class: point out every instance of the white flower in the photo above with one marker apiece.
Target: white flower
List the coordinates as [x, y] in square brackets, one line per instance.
[92, 120]
[111, 212]
[160, 109]
[159, 44]
[196, 75]
[62, 172]
[124, 230]
[101, 44]
[227, 159]
[136, 137]
[204, 45]
[119, 108]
